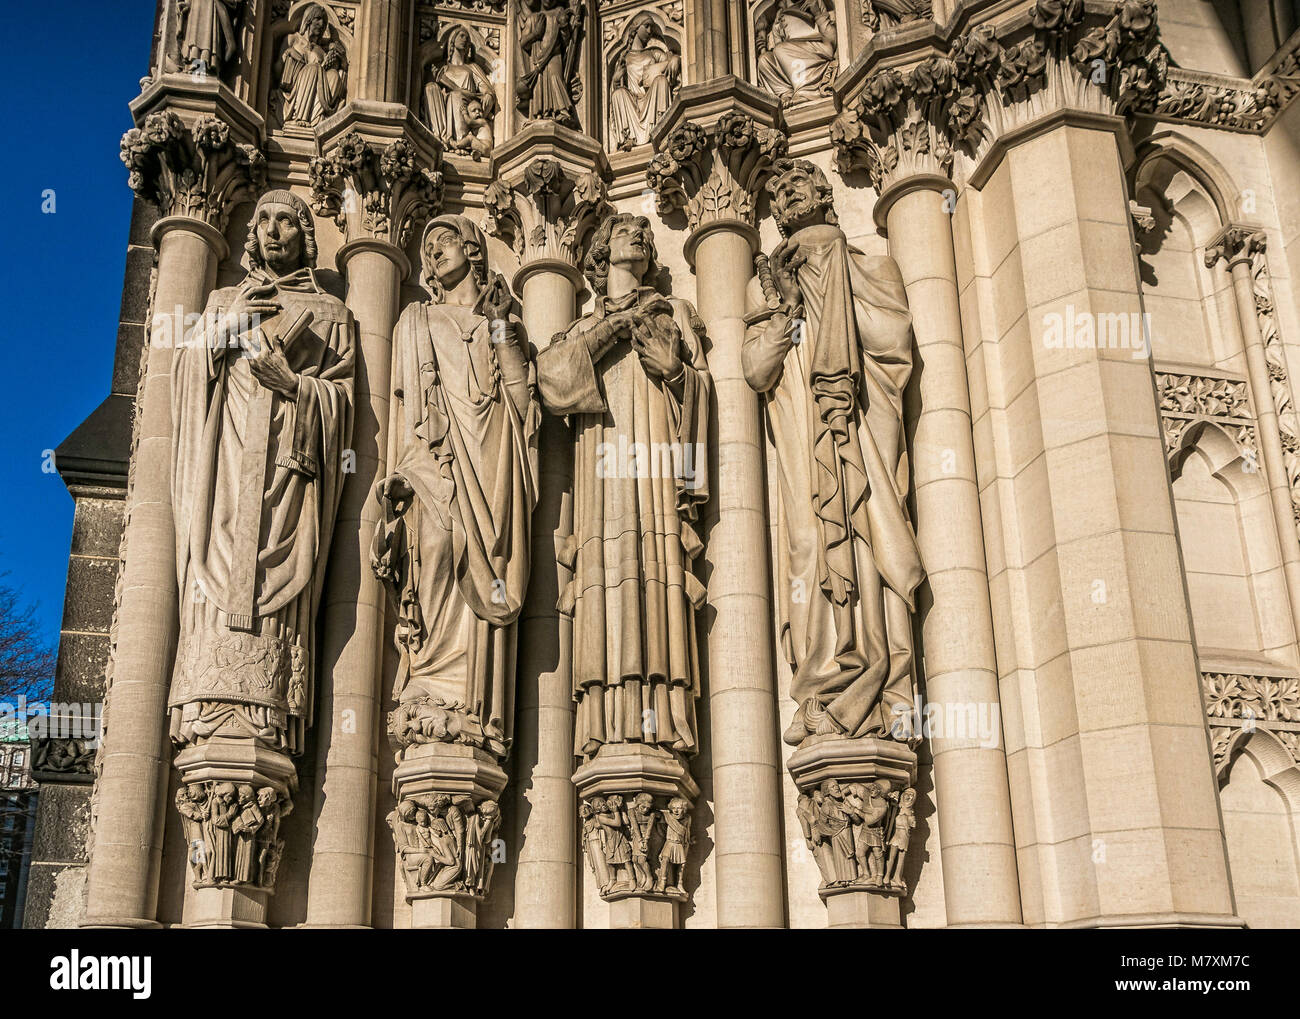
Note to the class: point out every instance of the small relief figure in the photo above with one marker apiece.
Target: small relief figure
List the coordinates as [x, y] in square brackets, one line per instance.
[644, 79]
[409, 823]
[550, 35]
[270, 845]
[459, 99]
[483, 828]
[192, 804]
[245, 827]
[796, 50]
[904, 822]
[834, 820]
[593, 841]
[618, 851]
[641, 822]
[208, 32]
[223, 810]
[868, 806]
[677, 840]
[806, 810]
[312, 71]
[631, 375]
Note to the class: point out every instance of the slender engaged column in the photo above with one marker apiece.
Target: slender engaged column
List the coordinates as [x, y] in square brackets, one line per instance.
[1237, 245]
[170, 170]
[978, 852]
[547, 226]
[733, 152]
[378, 201]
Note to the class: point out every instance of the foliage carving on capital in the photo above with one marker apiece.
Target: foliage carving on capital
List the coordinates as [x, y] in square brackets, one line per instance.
[195, 171]
[375, 192]
[715, 173]
[548, 213]
[1235, 244]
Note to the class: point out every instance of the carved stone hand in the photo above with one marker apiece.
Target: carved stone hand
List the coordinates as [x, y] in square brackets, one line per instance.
[656, 341]
[271, 368]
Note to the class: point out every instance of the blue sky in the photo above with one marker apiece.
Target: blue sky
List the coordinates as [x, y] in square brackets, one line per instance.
[70, 67]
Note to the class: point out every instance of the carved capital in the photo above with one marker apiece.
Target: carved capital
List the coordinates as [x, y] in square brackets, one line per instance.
[547, 214]
[193, 170]
[715, 173]
[900, 124]
[377, 191]
[1233, 244]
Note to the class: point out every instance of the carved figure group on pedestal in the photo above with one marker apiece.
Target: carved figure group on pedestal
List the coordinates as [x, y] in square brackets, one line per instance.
[633, 848]
[632, 378]
[446, 845]
[311, 71]
[233, 832]
[645, 77]
[459, 99]
[856, 835]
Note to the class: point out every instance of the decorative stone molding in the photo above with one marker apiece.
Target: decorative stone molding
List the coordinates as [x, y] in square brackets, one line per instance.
[1237, 704]
[1279, 380]
[1235, 244]
[714, 174]
[195, 171]
[66, 759]
[381, 193]
[1188, 399]
[548, 213]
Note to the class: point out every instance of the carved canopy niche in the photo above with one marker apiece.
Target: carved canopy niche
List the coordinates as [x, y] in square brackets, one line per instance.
[308, 51]
[458, 85]
[794, 49]
[643, 67]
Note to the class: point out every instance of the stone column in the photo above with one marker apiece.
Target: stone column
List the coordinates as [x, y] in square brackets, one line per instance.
[959, 667]
[193, 172]
[1237, 246]
[1112, 786]
[379, 179]
[548, 193]
[382, 25]
[715, 146]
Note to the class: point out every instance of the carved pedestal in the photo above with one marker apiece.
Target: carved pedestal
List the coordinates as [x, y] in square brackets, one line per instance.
[855, 810]
[446, 830]
[635, 813]
[233, 797]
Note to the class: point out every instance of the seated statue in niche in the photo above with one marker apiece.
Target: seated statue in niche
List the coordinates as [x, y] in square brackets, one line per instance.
[550, 36]
[632, 378]
[645, 77]
[829, 345]
[208, 35]
[459, 100]
[312, 75]
[262, 416]
[796, 50]
[453, 542]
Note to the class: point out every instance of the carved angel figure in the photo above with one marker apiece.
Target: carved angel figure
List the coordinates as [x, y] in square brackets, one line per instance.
[459, 100]
[645, 76]
[312, 76]
[796, 50]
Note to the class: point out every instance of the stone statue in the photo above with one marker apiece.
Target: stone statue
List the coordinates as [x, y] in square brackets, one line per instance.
[677, 840]
[645, 76]
[796, 50]
[262, 416]
[208, 40]
[192, 804]
[829, 345]
[453, 543]
[632, 377]
[593, 841]
[312, 75]
[641, 822]
[550, 37]
[904, 822]
[479, 863]
[459, 100]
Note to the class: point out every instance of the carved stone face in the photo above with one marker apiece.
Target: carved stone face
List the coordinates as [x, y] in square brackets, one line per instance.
[445, 256]
[644, 31]
[629, 247]
[459, 41]
[794, 199]
[314, 27]
[279, 237]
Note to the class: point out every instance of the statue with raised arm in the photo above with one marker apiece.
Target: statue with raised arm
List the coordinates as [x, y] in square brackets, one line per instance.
[829, 345]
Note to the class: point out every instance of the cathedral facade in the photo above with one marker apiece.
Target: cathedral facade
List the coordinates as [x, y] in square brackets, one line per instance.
[684, 463]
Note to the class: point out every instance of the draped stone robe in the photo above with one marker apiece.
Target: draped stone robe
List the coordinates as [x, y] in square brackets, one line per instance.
[633, 595]
[467, 444]
[250, 563]
[847, 562]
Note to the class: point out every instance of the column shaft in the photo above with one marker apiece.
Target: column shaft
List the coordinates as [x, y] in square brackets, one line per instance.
[741, 681]
[545, 808]
[124, 868]
[980, 880]
[347, 763]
